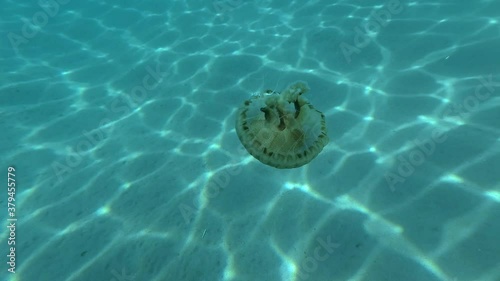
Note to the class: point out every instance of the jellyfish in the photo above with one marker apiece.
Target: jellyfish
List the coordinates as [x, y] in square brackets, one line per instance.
[282, 130]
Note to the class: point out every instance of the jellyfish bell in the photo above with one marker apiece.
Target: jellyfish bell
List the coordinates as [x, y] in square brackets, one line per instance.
[282, 130]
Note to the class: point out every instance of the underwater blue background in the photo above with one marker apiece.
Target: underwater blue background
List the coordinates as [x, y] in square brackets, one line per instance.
[119, 119]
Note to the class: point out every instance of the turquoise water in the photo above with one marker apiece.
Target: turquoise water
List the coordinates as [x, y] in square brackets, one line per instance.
[118, 118]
